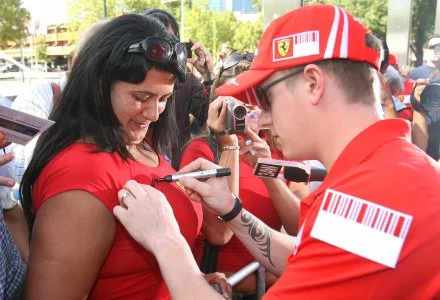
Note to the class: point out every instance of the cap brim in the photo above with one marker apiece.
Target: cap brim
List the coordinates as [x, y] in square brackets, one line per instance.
[243, 86]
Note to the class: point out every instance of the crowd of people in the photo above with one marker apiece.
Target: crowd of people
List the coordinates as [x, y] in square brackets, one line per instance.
[84, 215]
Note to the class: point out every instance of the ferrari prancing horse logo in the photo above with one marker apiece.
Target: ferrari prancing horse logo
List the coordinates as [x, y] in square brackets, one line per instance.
[283, 47]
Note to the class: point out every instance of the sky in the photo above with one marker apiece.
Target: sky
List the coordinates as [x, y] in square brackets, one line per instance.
[49, 12]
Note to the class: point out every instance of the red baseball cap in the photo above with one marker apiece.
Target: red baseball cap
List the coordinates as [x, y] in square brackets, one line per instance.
[392, 60]
[302, 36]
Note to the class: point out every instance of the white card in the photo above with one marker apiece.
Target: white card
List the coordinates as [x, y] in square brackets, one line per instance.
[361, 227]
[20, 127]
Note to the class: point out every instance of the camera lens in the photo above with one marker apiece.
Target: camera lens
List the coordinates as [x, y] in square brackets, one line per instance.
[240, 112]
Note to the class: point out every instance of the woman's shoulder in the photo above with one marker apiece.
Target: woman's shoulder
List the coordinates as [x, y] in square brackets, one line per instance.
[81, 167]
[83, 159]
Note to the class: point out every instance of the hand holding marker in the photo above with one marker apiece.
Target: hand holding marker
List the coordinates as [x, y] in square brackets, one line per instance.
[204, 174]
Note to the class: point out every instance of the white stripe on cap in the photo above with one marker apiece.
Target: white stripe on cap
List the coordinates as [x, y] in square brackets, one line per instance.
[332, 37]
[343, 53]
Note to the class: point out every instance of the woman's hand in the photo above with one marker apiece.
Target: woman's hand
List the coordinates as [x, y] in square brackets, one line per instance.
[4, 159]
[254, 147]
[203, 57]
[217, 114]
[146, 214]
[420, 86]
[219, 280]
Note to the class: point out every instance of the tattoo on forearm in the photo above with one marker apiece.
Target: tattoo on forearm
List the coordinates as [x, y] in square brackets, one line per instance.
[259, 232]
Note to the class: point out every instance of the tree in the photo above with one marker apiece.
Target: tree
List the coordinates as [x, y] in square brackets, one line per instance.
[216, 28]
[423, 22]
[13, 22]
[258, 4]
[247, 35]
[41, 49]
[372, 13]
[212, 28]
[83, 13]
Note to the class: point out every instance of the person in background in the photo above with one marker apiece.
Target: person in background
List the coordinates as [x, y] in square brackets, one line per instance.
[269, 199]
[222, 56]
[426, 124]
[361, 234]
[12, 259]
[38, 101]
[431, 60]
[192, 97]
[408, 85]
[115, 113]
[395, 83]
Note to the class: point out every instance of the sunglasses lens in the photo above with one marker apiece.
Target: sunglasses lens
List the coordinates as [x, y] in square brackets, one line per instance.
[181, 54]
[231, 61]
[157, 49]
[263, 103]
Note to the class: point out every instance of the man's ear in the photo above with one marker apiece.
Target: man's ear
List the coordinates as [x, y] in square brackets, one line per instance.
[315, 82]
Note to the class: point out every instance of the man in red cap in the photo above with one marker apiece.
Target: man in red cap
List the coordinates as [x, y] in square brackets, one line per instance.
[372, 229]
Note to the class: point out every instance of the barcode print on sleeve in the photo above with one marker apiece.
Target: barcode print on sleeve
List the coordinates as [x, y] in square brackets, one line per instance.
[366, 213]
[361, 227]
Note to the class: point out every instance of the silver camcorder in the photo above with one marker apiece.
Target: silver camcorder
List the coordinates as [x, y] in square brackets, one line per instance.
[235, 120]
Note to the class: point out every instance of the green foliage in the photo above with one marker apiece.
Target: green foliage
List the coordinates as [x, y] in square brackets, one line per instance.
[372, 13]
[258, 4]
[13, 21]
[211, 28]
[247, 36]
[41, 49]
[83, 13]
[423, 22]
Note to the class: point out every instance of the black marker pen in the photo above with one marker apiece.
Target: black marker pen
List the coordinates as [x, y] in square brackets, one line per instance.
[198, 174]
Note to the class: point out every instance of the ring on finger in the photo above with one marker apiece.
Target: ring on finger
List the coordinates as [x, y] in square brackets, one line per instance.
[126, 194]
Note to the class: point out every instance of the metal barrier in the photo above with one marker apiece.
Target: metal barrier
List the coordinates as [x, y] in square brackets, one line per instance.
[247, 270]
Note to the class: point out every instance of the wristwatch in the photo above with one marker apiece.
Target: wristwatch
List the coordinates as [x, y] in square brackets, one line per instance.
[238, 206]
[10, 197]
[9, 202]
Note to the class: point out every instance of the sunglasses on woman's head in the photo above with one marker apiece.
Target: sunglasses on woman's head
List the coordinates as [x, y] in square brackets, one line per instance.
[157, 49]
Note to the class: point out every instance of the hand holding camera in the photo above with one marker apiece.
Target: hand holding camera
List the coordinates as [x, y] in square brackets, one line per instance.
[202, 60]
[254, 147]
[426, 96]
[225, 116]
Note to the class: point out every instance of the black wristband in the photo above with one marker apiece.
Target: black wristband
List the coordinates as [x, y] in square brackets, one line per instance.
[238, 206]
[217, 133]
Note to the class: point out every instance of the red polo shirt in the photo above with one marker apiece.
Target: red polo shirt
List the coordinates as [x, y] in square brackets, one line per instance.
[397, 187]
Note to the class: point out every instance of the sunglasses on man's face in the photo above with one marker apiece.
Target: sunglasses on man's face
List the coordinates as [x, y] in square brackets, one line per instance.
[261, 91]
[157, 49]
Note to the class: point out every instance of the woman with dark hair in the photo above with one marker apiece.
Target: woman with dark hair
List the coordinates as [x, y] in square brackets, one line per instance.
[115, 113]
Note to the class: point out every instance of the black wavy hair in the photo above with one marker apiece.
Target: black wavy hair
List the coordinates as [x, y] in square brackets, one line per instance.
[165, 17]
[84, 110]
